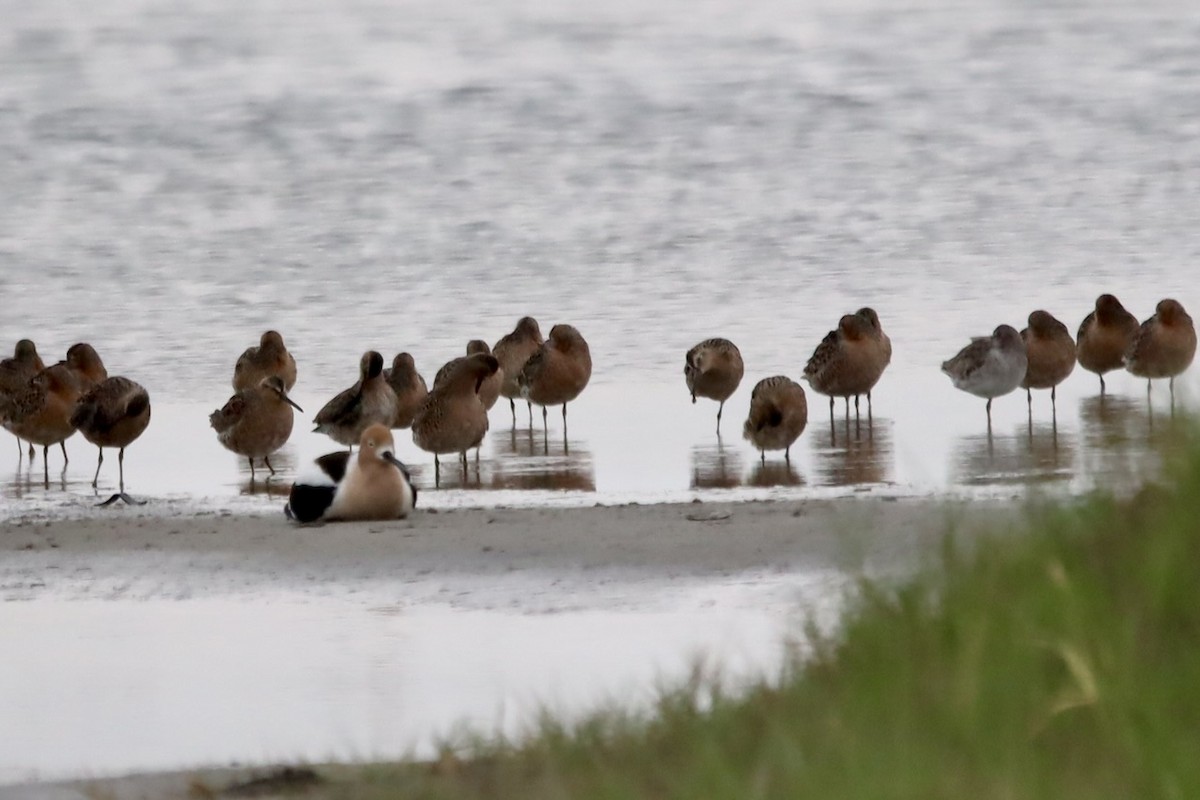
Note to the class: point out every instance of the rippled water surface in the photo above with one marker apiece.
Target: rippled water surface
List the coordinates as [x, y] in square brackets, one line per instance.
[180, 175]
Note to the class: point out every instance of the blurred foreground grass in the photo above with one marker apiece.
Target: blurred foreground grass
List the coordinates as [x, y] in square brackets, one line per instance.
[1063, 662]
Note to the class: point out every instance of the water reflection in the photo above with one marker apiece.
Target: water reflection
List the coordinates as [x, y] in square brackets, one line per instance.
[1125, 437]
[716, 466]
[860, 452]
[525, 459]
[774, 472]
[260, 481]
[1037, 453]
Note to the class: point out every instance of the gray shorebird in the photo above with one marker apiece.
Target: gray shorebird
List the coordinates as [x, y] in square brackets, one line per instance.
[557, 372]
[370, 485]
[1164, 346]
[512, 351]
[778, 415]
[850, 359]
[1050, 352]
[256, 421]
[271, 357]
[409, 387]
[1105, 336]
[368, 402]
[990, 366]
[113, 413]
[452, 418]
[489, 391]
[15, 374]
[713, 369]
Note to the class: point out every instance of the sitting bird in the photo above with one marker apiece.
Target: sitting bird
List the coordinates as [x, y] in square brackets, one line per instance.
[372, 485]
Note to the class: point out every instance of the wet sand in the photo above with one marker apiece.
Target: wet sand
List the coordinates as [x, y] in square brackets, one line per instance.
[122, 555]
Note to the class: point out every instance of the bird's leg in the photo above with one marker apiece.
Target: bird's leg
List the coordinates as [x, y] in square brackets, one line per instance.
[31, 450]
[831, 411]
[121, 482]
[99, 461]
[437, 471]
[512, 404]
[63, 445]
[529, 403]
[564, 422]
[251, 460]
[121, 469]
[46, 463]
[1102, 386]
[787, 455]
[870, 411]
[267, 461]
[720, 408]
[856, 406]
[1029, 400]
[545, 424]
[989, 415]
[762, 457]
[1053, 401]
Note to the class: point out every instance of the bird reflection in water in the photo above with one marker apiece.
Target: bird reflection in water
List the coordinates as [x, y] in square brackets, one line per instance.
[283, 460]
[1124, 441]
[1037, 453]
[716, 466]
[863, 456]
[523, 459]
[774, 472]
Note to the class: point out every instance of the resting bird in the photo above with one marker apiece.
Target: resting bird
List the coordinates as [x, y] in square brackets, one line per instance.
[372, 485]
[113, 413]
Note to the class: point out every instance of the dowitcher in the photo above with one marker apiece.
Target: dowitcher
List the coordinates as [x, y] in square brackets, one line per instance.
[15, 374]
[271, 357]
[713, 369]
[850, 359]
[372, 485]
[113, 413]
[40, 413]
[990, 366]
[452, 418]
[557, 372]
[512, 351]
[353, 410]
[409, 387]
[778, 415]
[1164, 346]
[489, 391]
[1050, 352]
[1105, 337]
[256, 421]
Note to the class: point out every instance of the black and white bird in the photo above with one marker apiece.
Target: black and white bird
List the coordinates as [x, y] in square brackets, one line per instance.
[371, 484]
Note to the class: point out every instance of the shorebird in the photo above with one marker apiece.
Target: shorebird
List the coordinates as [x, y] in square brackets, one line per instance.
[1164, 346]
[452, 418]
[15, 374]
[374, 485]
[113, 413]
[85, 365]
[1105, 337]
[512, 351]
[557, 372]
[271, 357]
[778, 415]
[409, 387]
[41, 412]
[850, 359]
[353, 410]
[489, 391]
[256, 421]
[990, 366]
[713, 369]
[1050, 352]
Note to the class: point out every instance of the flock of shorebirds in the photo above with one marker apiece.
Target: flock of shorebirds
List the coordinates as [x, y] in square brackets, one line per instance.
[46, 405]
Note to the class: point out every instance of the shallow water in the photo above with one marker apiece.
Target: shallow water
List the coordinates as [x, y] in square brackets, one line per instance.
[409, 175]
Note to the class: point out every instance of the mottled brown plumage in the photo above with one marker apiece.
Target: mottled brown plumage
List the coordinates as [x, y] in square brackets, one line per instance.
[452, 418]
[409, 387]
[850, 359]
[368, 402]
[1164, 346]
[490, 390]
[256, 421]
[558, 371]
[1105, 337]
[113, 413]
[271, 357]
[15, 374]
[713, 369]
[1050, 355]
[778, 415]
[512, 351]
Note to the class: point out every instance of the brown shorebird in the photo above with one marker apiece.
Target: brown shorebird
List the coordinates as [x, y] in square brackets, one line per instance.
[850, 359]
[113, 413]
[409, 387]
[713, 369]
[452, 418]
[373, 485]
[1105, 337]
[778, 415]
[271, 357]
[15, 374]
[512, 351]
[1164, 346]
[85, 365]
[990, 366]
[557, 372]
[1050, 352]
[490, 390]
[257, 421]
[366, 403]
